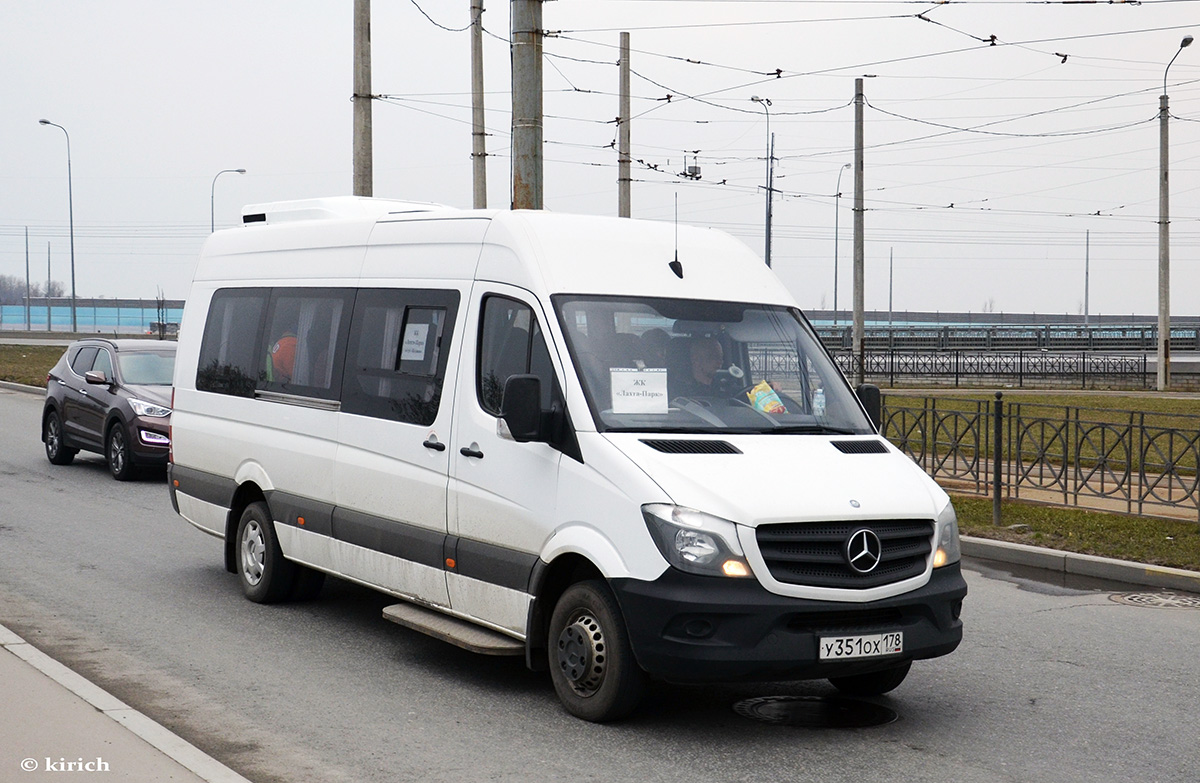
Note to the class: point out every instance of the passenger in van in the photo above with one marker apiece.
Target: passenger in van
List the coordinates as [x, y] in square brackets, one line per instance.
[654, 347]
[282, 359]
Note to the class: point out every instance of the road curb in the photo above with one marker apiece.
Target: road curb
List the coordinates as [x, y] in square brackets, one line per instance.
[20, 387]
[157, 736]
[1082, 565]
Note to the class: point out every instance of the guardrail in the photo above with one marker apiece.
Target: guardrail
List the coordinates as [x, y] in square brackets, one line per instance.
[1123, 461]
[1079, 370]
[1027, 337]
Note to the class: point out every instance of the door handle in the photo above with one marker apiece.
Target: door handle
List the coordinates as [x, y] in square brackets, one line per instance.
[434, 444]
[467, 451]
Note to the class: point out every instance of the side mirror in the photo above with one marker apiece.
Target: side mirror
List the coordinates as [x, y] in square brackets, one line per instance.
[523, 407]
[868, 394]
[96, 377]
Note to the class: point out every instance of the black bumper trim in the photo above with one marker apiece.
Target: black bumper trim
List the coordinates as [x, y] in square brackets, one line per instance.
[690, 628]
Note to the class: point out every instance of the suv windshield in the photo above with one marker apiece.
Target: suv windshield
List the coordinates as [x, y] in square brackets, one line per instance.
[677, 365]
[152, 368]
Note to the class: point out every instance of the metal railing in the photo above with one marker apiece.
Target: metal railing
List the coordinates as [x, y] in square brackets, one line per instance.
[1122, 461]
[1015, 337]
[1017, 368]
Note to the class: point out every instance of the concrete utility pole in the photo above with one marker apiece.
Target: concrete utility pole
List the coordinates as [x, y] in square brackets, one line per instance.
[478, 131]
[364, 166]
[49, 322]
[624, 175]
[28, 287]
[859, 326]
[1087, 273]
[1164, 235]
[526, 104]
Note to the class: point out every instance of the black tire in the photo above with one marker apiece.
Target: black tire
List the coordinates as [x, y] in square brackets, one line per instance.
[265, 575]
[117, 453]
[52, 434]
[874, 683]
[591, 661]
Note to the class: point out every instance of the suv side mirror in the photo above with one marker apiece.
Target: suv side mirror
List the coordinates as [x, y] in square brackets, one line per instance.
[523, 407]
[868, 394]
[96, 377]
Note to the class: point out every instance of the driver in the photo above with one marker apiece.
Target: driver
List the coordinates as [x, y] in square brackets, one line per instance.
[705, 360]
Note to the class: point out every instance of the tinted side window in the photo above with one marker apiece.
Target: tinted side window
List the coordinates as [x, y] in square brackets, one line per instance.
[510, 343]
[230, 358]
[304, 344]
[104, 363]
[83, 359]
[396, 359]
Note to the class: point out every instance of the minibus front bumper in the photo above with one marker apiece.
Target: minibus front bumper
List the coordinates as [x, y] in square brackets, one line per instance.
[690, 628]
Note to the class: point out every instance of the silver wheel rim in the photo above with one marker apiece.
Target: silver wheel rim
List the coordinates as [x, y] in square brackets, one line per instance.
[582, 656]
[52, 436]
[254, 548]
[116, 451]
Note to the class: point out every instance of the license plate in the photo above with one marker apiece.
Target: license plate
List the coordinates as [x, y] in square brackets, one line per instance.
[870, 646]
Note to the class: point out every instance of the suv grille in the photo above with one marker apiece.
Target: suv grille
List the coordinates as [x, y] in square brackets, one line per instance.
[814, 553]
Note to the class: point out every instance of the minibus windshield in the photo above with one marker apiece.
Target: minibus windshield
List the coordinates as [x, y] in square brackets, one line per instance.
[680, 365]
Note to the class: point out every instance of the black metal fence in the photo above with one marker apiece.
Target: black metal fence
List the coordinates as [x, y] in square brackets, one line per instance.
[1078, 370]
[1029, 337]
[1121, 461]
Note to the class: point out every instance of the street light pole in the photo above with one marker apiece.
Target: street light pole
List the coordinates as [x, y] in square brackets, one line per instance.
[71, 217]
[766, 104]
[1163, 363]
[836, 237]
[212, 197]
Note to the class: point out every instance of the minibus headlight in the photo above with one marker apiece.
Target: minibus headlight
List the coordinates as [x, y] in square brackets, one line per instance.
[948, 548]
[696, 542]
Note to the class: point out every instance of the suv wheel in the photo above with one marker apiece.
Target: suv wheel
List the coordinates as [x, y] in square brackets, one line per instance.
[52, 434]
[116, 453]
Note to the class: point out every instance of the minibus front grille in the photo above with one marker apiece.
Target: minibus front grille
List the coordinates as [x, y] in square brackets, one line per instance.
[815, 554]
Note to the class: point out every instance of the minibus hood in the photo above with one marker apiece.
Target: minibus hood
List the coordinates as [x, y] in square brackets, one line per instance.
[764, 479]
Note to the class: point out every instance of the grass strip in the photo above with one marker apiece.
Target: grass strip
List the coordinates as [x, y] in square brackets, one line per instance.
[1155, 541]
[28, 364]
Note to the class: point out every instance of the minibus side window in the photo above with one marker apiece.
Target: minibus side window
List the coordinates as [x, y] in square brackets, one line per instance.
[230, 361]
[397, 354]
[304, 342]
[510, 343]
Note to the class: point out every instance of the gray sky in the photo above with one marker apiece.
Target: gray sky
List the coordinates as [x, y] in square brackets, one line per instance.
[986, 165]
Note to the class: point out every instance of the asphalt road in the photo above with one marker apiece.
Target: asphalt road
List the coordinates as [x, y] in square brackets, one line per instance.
[1051, 683]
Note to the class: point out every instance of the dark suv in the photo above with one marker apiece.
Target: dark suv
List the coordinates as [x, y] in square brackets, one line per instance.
[112, 397]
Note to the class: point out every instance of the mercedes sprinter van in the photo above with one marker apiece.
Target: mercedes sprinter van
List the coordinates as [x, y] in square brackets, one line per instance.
[612, 446]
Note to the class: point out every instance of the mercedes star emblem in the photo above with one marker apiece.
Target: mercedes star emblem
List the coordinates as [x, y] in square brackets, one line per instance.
[863, 550]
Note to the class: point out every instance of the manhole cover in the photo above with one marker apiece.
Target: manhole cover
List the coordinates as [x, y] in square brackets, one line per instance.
[1158, 600]
[815, 712]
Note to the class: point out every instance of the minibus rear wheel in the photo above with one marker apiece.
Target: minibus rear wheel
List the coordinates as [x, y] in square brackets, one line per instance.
[591, 661]
[265, 575]
[874, 683]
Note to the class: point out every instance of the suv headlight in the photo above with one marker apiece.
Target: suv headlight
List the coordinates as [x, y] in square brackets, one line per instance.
[696, 542]
[143, 408]
[948, 548]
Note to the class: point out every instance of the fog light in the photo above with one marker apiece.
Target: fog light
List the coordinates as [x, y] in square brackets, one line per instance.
[939, 558]
[735, 568]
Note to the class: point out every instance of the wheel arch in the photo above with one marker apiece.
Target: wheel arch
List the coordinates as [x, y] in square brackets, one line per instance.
[547, 584]
[247, 492]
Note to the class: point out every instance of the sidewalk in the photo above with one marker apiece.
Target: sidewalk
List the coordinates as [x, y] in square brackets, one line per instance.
[56, 721]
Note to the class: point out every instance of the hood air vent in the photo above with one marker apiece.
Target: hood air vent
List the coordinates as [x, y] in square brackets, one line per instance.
[692, 446]
[860, 446]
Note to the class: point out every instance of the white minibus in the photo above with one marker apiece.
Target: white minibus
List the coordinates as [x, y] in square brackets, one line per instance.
[615, 447]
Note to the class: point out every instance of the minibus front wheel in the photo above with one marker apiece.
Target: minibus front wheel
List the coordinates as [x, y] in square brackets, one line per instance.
[591, 661]
[265, 575]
